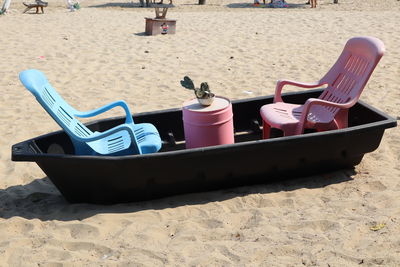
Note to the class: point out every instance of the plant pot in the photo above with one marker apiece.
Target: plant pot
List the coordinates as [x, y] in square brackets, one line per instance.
[206, 101]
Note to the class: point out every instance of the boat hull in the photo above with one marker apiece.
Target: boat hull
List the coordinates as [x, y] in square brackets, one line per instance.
[175, 170]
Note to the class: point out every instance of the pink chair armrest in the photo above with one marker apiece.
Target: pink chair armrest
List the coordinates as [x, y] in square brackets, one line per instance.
[281, 83]
[316, 101]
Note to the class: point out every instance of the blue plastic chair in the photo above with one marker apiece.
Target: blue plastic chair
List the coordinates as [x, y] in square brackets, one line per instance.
[125, 139]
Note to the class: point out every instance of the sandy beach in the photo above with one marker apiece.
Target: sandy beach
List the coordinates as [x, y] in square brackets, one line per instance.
[99, 54]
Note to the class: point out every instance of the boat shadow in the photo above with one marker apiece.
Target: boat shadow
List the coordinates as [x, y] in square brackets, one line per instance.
[41, 200]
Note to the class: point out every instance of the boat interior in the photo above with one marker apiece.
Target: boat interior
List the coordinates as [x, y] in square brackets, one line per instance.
[246, 119]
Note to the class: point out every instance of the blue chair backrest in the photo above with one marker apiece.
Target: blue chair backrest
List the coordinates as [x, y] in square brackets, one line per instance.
[36, 82]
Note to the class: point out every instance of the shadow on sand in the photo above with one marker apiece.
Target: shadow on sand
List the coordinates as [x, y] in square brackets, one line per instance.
[127, 5]
[250, 5]
[41, 200]
[122, 5]
[233, 5]
[140, 34]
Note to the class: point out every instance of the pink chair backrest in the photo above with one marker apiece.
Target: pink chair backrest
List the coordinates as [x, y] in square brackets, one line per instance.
[349, 75]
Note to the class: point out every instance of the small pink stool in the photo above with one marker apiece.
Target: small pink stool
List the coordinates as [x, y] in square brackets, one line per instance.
[208, 125]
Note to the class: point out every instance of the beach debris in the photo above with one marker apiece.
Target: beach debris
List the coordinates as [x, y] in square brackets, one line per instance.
[237, 236]
[41, 57]
[5, 6]
[164, 28]
[231, 57]
[248, 92]
[377, 226]
[203, 93]
[146, 51]
[73, 5]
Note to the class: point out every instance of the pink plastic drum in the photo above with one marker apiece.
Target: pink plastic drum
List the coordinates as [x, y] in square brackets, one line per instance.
[208, 125]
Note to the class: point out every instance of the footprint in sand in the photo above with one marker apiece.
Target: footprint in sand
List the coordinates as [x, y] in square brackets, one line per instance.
[82, 231]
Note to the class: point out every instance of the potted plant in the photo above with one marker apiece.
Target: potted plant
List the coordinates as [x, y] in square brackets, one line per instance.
[203, 93]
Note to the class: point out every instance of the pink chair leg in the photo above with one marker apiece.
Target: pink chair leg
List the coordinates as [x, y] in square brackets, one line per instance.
[327, 127]
[266, 130]
[290, 132]
[342, 118]
[340, 122]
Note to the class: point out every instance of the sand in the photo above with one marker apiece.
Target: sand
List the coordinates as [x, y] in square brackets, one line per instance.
[99, 54]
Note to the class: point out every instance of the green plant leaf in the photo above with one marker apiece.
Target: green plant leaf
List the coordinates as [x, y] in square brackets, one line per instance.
[187, 83]
[204, 87]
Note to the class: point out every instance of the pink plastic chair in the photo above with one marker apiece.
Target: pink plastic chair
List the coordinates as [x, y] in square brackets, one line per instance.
[345, 82]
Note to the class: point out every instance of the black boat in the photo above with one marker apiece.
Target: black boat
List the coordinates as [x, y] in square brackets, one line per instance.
[176, 170]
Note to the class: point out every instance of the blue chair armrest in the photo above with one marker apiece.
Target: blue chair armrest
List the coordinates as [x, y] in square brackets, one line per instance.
[95, 112]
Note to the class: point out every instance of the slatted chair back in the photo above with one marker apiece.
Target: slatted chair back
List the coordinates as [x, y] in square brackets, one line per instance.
[351, 72]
